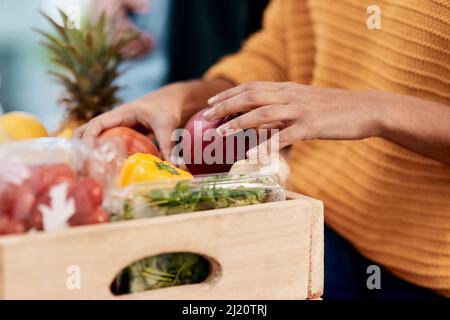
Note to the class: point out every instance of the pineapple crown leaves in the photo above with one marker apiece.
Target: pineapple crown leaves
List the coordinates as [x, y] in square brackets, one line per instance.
[89, 59]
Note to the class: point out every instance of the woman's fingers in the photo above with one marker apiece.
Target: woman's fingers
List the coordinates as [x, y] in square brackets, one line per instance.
[277, 142]
[246, 101]
[250, 86]
[163, 136]
[96, 126]
[257, 118]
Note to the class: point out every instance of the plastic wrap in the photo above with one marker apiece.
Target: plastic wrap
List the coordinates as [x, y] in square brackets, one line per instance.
[205, 193]
[48, 184]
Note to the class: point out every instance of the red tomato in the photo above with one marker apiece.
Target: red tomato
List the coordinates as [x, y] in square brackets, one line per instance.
[35, 220]
[99, 215]
[93, 188]
[102, 170]
[11, 226]
[45, 176]
[134, 141]
[24, 203]
[88, 196]
[8, 194]
[84, 204]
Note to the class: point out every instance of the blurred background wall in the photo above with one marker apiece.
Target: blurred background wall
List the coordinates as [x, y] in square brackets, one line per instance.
[189, 36]
[25, 85]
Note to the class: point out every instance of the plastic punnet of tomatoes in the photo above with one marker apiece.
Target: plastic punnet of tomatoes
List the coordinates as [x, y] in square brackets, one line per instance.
[50, 184]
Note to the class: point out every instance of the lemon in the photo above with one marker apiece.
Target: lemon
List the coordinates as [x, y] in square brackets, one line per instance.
[66, 133]
[4, 137]
[22, 126]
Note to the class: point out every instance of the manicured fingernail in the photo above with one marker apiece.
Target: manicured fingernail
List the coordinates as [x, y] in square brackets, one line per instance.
[225, 130]
[213, 100]
[208, 114]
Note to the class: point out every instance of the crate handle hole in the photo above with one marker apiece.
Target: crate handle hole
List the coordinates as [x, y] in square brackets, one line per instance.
[165, 270]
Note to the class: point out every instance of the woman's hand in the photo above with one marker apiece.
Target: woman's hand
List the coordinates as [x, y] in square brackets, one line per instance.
[145, 112]
[300, 112]
[162, 111]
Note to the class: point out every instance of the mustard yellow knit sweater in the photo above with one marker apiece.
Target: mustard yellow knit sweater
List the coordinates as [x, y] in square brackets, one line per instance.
[392, 204]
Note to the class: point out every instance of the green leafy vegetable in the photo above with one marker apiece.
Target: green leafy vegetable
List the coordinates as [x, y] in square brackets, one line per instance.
[166, 270]
[186, 197]
[164, 166]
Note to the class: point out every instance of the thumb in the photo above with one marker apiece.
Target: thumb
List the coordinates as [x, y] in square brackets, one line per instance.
[164, 138]
[264, 151]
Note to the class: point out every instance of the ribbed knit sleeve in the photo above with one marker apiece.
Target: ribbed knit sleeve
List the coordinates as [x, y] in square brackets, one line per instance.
[263, 56]
[393, 205]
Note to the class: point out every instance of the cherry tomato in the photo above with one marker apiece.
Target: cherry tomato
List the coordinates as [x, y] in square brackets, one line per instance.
[8, 194]
[45, 176]
[88, 196]
[83, 202]
[98, 216]
[24, 202]
[35, 220]
[11, 226]
[93, 188]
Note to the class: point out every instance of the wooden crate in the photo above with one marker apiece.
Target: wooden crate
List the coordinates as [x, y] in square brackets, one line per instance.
[267, 251]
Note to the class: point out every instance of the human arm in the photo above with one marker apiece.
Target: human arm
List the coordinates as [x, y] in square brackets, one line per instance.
[306, 113]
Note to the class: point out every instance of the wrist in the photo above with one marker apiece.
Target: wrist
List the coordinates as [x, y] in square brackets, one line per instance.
[380, 109]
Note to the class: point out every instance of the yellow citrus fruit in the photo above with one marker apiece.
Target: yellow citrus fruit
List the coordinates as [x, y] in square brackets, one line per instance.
[4, 136]
[22, 126]
[66, 134]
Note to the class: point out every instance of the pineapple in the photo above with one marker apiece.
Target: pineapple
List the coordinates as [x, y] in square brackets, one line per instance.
[89, 59]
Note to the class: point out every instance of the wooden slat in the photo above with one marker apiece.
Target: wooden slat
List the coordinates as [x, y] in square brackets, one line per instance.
[267, 251]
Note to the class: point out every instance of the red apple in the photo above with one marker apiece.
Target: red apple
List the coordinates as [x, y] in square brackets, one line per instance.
[199, 134]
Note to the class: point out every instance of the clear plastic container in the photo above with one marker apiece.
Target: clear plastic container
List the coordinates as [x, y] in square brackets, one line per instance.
[204, 193]
[95, 161]
[51, 183]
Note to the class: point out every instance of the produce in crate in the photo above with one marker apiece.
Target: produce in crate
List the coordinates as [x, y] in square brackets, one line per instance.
[4, 137]
[166, 270]
[146, 167]
[206, 193]
[30, 204]
[49, 184]
[90, 59]
[21, 126]
[195, 141]
[172, 197]
[65, 133]
[133, 141]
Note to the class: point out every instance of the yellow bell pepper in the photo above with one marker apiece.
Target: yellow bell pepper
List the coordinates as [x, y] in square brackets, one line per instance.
[142, 167]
